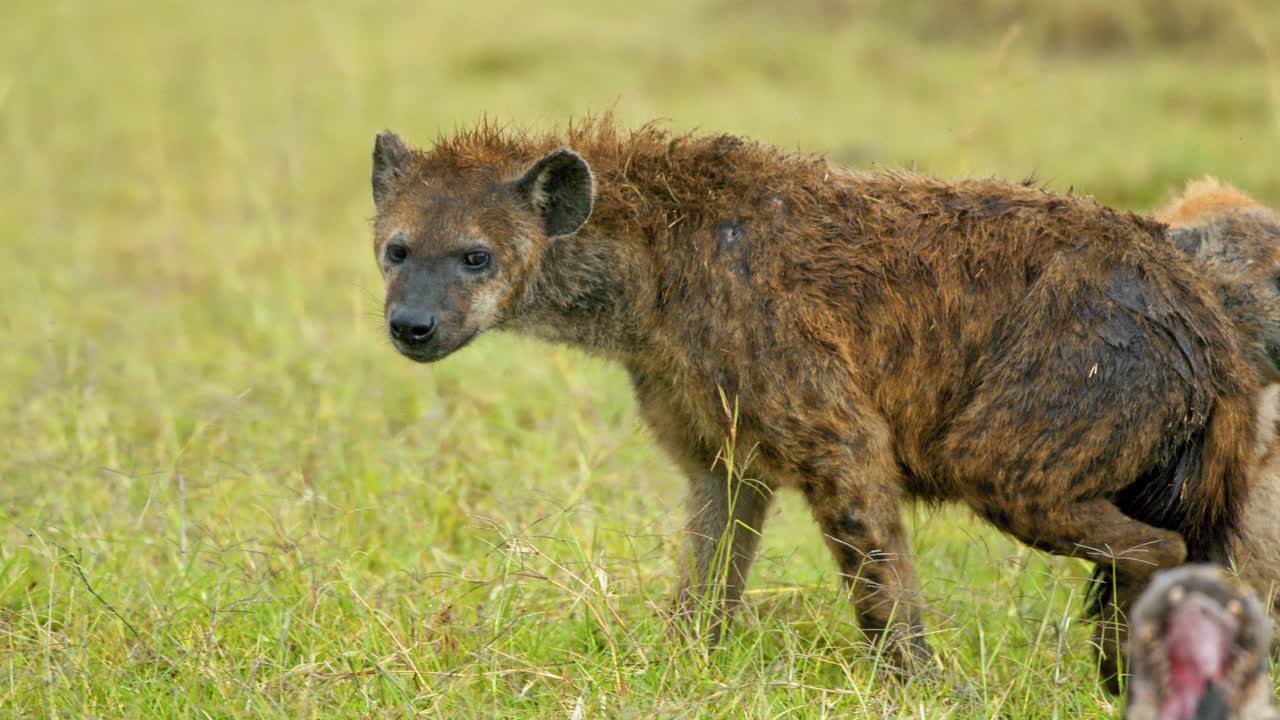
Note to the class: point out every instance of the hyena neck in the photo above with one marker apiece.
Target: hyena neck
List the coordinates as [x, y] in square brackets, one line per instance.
[589, 293]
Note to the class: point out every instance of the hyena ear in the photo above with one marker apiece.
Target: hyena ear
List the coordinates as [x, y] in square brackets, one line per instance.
[390, 156]
[559, 188]
[1187, 239]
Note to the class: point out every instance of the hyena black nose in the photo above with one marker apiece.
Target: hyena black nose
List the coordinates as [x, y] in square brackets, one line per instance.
[411, 328]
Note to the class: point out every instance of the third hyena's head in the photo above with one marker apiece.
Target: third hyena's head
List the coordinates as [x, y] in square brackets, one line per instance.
[1239, 250]
[458, 236]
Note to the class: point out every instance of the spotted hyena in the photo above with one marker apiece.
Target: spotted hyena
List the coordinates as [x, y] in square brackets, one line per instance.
[1055, 365]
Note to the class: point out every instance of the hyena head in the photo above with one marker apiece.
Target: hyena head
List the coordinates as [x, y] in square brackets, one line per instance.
[1239, 250]
[1199, 643]
[459, 239]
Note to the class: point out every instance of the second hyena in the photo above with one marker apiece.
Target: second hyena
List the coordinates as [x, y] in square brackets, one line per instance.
[1237, 240]
[1053, 364]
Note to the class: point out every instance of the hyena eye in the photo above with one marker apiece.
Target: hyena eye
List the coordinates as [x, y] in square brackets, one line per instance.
[396, 253]
[476, 259]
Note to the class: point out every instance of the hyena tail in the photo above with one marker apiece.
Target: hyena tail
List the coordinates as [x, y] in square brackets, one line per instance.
[1214, 503]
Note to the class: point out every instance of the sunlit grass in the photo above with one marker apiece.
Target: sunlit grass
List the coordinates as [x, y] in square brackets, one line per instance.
[224, 495]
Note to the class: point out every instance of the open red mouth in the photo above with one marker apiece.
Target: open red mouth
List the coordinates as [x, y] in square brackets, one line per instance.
[1200, 634]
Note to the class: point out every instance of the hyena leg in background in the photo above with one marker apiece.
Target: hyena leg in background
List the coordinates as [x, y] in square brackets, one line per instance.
[725, 518]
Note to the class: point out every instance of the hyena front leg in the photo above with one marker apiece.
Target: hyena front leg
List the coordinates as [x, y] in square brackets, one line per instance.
[725, 518]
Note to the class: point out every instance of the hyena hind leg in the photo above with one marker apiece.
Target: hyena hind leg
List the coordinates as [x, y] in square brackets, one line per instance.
[857, 503]
[873, 552]
[1127, 552]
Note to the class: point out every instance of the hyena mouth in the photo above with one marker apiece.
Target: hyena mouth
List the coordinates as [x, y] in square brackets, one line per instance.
[419, 357]
[1200, 636]
[434, 353]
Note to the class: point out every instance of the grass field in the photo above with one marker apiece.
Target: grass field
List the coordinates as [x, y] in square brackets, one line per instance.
[222, 494]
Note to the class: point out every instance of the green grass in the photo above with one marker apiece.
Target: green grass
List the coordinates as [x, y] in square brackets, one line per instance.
[222, 493]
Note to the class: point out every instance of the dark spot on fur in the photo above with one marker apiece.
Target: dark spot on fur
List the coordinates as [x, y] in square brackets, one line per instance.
[980, 205]
[830, 435]
[849, 524]
[809, 465]
[729, 234]
[994, 205]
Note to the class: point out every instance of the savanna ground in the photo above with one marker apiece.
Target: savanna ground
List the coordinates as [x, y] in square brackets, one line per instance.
[224, 495]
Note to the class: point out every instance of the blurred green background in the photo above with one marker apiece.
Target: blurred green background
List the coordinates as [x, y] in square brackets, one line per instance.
[224, 495]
